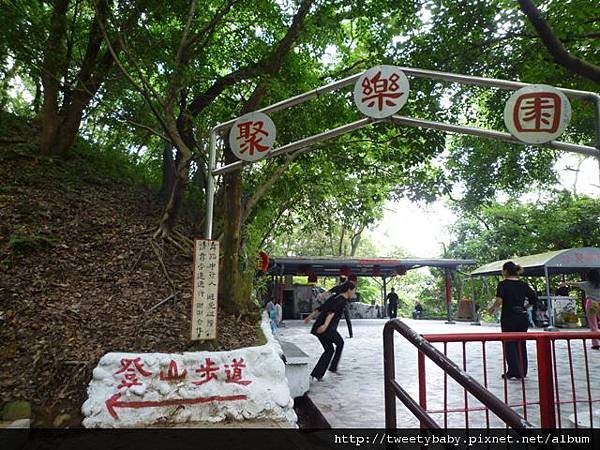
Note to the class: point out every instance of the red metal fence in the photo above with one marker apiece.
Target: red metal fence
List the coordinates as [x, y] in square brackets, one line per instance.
[463, 387]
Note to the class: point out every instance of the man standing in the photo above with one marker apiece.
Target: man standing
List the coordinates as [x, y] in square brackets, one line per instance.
[392, 299]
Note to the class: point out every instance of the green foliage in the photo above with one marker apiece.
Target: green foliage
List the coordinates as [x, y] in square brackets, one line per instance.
[505, 230]
[31, 244]
[422, 286]
[369, 289]
[16, 410]
[325, 199]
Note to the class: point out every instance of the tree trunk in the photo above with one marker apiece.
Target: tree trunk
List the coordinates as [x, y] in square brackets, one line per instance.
[229, 291]
[169, 174]
[51, 72]
[175, 195]
[183, 129]
[68, 127]
[60, 126]
[231, 300]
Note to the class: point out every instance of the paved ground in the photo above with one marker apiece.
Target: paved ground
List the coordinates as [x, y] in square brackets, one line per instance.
[354, 398]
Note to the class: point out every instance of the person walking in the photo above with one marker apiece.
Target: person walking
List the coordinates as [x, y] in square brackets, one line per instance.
[332, 293]
[392, 299]
[270, 308]
[511, 295]
[591, 289]
[325, 329]
[418, 311]
[279, 314]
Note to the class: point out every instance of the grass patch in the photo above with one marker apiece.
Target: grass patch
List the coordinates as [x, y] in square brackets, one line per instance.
[31, 244]
[261, 339]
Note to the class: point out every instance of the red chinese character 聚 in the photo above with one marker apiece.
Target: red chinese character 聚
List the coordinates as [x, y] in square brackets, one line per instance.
[537, 111]
[173, 373]
[131, 368]
[380, 90]
[207, 370]
[234, 375]
[249, 132]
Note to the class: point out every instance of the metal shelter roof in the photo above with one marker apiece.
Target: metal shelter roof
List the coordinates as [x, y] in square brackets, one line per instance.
[362, 267]
[566, 261]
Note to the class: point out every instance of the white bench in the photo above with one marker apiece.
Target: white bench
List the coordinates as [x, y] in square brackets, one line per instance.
[296, 369]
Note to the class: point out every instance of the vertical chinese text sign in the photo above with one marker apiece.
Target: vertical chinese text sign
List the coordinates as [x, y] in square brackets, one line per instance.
[206, 282]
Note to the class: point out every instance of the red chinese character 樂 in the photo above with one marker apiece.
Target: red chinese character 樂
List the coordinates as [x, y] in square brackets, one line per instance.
[207, 372]
[173, 373]
[235, 375]
[381, 90]
[249, 132]
[537, 111]
[131, 368]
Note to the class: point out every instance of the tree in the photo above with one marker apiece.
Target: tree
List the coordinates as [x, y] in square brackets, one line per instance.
[505, 230]
[71, 63]
[556, 48]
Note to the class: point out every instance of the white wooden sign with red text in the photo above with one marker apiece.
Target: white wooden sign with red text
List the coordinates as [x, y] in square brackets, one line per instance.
[206, 283]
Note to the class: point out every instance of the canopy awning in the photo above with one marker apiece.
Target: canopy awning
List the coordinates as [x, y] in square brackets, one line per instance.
[566, 261]
[360, 267]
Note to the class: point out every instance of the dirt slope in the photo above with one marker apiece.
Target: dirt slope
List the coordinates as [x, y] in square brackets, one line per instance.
[76, 275]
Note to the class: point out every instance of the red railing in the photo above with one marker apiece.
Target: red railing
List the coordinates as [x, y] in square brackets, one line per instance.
[565, 380]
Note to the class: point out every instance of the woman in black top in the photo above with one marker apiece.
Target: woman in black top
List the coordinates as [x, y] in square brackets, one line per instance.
[512, 294]
[325, 329]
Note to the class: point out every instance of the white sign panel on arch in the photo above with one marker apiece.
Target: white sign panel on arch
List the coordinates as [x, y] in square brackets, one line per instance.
[381, 91]
[252, 136]
[537, 114]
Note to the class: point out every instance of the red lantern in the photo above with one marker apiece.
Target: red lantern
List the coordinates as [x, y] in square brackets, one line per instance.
[401, 270]
[353, 278]
[263, 261]
[376, 271]
[345, 270]
[312, 278]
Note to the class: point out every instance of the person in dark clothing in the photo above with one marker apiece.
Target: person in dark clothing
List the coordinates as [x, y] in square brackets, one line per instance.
[335, 291]
[511, 294]
[392, 299]
[325, 329]
[418, 311]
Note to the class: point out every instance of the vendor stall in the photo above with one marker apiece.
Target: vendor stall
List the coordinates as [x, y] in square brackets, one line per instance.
[547, 265]
[329, 266]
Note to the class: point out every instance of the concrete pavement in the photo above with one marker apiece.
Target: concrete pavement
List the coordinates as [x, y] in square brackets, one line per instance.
[354, 398]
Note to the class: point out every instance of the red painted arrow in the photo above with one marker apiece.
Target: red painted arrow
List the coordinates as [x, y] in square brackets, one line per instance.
[114, 402]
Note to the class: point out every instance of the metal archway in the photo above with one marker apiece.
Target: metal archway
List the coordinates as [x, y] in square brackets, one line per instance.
[304, 144]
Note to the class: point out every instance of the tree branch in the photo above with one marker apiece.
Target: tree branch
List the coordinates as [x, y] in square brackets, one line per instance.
[201, 38]
[264, 187]
[555, 47]
[113, 49]
[269, 66]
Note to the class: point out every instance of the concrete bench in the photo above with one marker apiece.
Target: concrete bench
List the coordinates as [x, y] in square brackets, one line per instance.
[296, 369]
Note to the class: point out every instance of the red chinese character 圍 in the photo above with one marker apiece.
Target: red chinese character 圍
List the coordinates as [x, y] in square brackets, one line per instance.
[249, 132]
[173, 373]
[234, 375]
[132, 368]
[207, 370]
[537, 111]
[381, 90]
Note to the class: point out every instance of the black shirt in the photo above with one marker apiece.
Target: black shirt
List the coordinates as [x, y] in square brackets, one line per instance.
[513, 294]
[334, 304]
[392, 299]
